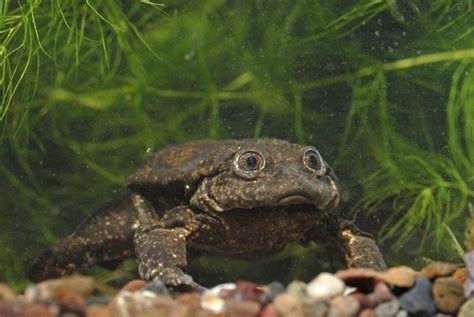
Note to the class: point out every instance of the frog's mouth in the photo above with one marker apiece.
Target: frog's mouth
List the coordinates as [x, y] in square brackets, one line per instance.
[294, 200]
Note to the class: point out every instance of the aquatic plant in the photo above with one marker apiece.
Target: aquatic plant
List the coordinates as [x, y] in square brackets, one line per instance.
[383, 88]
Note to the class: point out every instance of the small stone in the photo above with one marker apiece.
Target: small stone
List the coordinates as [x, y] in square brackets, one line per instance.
[419, 300]
[288, 306]
[133, 285]
[367, 312]
[245, 290]
[325, 286]
[460, 275]
[381, 293]
[212, 302]
[98, 311]
[402, 313]
[467, 309]
[6, 293]
[315, 308]
[364, 300]
[245, 308]
[297, 289]
[438, 269]
[448, 294]
[272, 290]
[39, 310]
[156, 286]
[343, 306]
[363, 279]
[388, 309]
[400, 276]
[191, 300]
[69, 300]
[269, 311]
[469, 284]
[43, 291]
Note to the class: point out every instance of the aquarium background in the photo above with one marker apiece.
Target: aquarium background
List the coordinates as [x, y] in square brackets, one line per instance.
[384, 89]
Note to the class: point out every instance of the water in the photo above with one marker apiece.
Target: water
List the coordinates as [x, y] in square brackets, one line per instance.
[382, 89]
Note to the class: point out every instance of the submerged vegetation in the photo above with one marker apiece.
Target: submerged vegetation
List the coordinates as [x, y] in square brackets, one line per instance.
[385, 89]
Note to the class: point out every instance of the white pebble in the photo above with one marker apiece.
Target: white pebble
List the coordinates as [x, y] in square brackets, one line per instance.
[211, 300]
[325, 286]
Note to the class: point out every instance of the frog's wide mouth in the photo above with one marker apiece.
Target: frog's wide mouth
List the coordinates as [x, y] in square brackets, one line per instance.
[294, 200]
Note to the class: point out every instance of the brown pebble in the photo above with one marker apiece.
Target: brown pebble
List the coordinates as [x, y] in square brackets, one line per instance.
[6, 293]
[287, 305]
[269, 311]
[38, 310]
[368, 312]
[245, 308]
[98, 311]
[343, 306]
[467, 309]
[438, 269]
[460, 275]
[69, 300]
[401, 276]
[448, 294]
[381, 293]
[133, 285]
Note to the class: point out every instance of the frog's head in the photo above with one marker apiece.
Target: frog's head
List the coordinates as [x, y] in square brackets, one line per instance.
[218, 176]
[267, 173]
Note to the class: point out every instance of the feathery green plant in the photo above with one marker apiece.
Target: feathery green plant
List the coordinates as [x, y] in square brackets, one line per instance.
[381, 87]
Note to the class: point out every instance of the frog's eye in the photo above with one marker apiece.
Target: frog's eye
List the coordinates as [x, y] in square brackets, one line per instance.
[248, 163]
[313, 161]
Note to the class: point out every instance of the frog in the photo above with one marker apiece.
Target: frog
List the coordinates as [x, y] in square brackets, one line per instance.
[239, 198]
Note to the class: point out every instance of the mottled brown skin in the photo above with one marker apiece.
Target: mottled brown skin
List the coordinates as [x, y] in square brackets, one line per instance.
[235, 197]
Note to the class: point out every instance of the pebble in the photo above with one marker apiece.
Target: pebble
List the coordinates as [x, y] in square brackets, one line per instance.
[469, 284]
[133, 285]
[212, 302]
[42, 292]
[6, 293]
[156, 286]
[69, 300]
[438, 269]
[467, 309]
[400, 276]
[98, 311]
[269, 311]
[297, 289]
[315, 308]
[367, 312]
[245, 308]
[448, 294]
[419, 300]
[388, 309]
[288, 306]
[460, 275]
[381, 293]
[325, 286]
[272, 290]
[343, 306]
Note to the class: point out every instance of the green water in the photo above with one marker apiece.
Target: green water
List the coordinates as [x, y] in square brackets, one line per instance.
[384, 89]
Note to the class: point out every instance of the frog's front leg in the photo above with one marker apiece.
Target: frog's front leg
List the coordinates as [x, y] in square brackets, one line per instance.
[358, 248]
[161, 244]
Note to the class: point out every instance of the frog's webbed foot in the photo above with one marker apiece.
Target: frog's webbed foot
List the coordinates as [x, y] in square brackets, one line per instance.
[161, 251]
[359, 247]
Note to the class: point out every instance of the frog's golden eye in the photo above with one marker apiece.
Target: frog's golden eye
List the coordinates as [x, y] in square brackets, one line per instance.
[313, 161]
[248, 163]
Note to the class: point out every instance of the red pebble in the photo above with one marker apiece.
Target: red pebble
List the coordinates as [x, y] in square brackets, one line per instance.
[133, 285]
